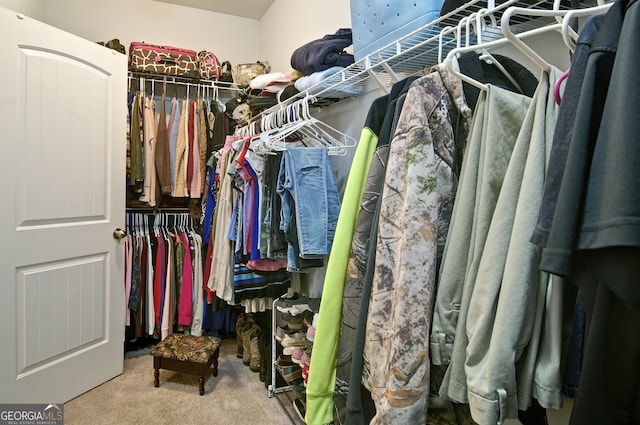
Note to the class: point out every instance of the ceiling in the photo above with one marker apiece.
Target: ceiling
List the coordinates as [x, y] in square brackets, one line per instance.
[253, 9]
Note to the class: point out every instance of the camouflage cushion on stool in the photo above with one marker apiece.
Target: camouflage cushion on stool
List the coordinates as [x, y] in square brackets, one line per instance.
[197, 349]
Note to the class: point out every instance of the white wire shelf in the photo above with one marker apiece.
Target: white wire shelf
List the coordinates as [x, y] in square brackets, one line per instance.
[224, 89]
[417, 51]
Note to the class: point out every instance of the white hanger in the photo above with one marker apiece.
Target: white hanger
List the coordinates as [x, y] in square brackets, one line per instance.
[297, 119]
[216, 94]
[488, 57]
[444, 31]
[568, 34]
[481, 22]
[461, 23]
[490, 45]
[517, 40]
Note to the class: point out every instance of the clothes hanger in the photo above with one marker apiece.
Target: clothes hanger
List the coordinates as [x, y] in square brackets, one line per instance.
[480, 26]
[221, 106]
[443, 32]
[568, 34]
[136, 225]
[488, 57]
[315, 132]
[557, 84]
[517, 41]
[286, 124]
[461, 24]
[142, 87]
[503, 41]
[141, 227]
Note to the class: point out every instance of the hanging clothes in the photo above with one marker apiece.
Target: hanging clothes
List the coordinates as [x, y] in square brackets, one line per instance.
[152, 273]
[195, 183]
[415, 207]
[221, 276]
[321, 383]
[181, 154]
[310, 204]
[498, 112]
[137, 168]
[162, 159]
[130, 98]
[202, 146]
[199, 295]
[358, 288]
[192, 140]
[593, 239]
[164, 275]
[174, 130]
[514, 331]
[149, 137]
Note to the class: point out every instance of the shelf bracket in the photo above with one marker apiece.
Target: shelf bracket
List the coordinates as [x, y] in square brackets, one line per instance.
[380, 82]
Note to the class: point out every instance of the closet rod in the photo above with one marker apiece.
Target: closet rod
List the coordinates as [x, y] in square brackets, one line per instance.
[157, 78]
[172, 210]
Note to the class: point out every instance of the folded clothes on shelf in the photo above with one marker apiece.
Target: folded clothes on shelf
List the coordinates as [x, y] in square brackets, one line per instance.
[326, 78]
[318, 55]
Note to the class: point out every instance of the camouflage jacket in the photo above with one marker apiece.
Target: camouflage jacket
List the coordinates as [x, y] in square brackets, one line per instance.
[415, 212]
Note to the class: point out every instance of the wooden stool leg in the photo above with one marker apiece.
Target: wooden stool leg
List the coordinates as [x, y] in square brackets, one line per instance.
[156, 378]
[215, 363]
[201, 384]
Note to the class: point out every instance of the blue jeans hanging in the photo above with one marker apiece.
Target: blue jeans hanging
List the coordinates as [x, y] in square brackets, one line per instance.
[308, 190]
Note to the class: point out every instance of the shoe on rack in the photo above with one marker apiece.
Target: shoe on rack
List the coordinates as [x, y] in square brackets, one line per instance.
[288, 351]
[290, 373]
[301, 355]
[284, 305]
[311, 328]
[305, 359]
[305, 374]
[312, 306]
[299, 390]
[294, 323]
[297, 354]
[300, 407]
[284, 360]
[297, 339]
[300, 308]
[281, 331]
[307, 317]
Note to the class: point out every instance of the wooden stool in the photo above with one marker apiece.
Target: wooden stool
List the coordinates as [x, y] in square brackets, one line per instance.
[187, 354]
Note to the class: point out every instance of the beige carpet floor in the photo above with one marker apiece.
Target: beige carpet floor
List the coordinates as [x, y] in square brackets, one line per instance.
[235, 397]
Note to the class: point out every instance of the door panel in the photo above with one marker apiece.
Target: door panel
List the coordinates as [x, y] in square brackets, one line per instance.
[60, 310]
[66, 97]
[62, 169]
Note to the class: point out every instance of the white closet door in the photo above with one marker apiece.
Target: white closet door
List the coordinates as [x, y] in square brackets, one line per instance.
[62, 171]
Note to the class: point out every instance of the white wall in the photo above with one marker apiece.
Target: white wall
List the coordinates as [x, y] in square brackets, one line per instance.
[229, 37]
[288, 24]
[32, 8]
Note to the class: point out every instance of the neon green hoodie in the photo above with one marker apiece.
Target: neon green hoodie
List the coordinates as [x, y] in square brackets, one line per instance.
[322, 370]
